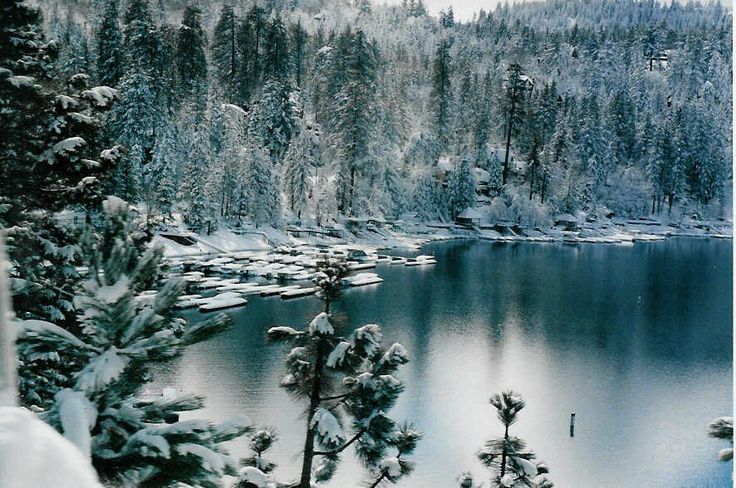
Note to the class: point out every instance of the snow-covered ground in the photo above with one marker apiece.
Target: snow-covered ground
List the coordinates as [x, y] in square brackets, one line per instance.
[412, 235]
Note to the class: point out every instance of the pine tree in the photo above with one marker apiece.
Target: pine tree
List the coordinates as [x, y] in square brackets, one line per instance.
[507, 457]
[345, 377]
[517, 86]
[461, 188]
[427, 199]
[224, 53]
[190, 58]
[441, 94]
[109, 45]
[141, 42]
[195, 208]
[276, 65]
[160, 176]
[51, 158]
[129, 438]
[260, 442]
[275, 118]
[302, 156]
[261, 197]
[133, 122]
[230, 157]
[251, 39]
[353, 123]
[298, 39]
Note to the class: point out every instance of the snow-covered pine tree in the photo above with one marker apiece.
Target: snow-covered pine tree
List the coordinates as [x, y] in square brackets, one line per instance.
[260, 442]
[193, 197]
[517, 87]
[427, 198]
[353, 121]
[510, 463]
[298, 41]
[75, 56]
[441, 95]
[133, 122]
[276, 65]
[224, 53]
[251, 40]
[349, 385]
[125, 320]
[261, 195]
[135, 117]
[191, 59]
[230, 157]
[299, 162]
[461, 188]
[50, 159]
[109, 44]
[325, 199]
[160, 176]
[275, 117]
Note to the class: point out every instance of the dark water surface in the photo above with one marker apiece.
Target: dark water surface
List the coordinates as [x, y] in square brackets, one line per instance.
[636, 340]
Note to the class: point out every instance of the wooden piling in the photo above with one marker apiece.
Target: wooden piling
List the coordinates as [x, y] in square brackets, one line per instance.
[572, 424]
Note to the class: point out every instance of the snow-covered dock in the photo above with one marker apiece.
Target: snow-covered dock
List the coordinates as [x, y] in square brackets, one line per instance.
[301, 292]
[222, 303]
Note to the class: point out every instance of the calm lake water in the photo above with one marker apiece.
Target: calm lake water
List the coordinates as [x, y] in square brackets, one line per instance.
[636, 340]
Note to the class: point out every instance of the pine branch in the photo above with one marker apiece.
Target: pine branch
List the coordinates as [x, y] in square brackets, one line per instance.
[343, 447]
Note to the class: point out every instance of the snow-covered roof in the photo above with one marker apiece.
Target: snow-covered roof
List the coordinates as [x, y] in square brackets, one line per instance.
[566, 217]
[481, 175]
[470, 213]
[445, 163]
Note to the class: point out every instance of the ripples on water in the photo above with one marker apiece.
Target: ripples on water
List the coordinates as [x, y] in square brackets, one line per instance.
[635, 340]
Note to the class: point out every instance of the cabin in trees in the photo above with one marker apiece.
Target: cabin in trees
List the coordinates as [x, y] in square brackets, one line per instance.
[567, 222]
[658, 60]
[469, 217]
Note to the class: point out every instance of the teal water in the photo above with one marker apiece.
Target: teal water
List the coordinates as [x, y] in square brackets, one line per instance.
[636, 340]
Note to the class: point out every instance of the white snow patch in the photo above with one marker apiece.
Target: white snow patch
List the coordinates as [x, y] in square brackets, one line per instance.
[337, 356]
[102, 370]
[22, 81]
[282, 329]
[391, 467]
[101, 96]
[113, 204]
[321, 325]
[211, 460]
[254, 476]
[113, 293]
[396, 354]
[33, 454]
[327, 426]
[78, 417]
[69, 146]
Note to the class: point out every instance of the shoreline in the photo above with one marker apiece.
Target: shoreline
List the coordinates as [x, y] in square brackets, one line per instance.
[413, 236]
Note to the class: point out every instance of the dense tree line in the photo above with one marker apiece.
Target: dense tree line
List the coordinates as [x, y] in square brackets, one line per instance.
[627, 109]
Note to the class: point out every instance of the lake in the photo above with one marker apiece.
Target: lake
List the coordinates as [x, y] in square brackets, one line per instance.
[636, 340]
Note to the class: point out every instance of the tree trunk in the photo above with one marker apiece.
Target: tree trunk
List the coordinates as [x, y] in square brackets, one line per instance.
[508, 142]
[531, 184]
[306, 477]
[503, 453]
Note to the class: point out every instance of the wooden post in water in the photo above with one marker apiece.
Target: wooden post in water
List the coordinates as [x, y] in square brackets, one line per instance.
[572, 424]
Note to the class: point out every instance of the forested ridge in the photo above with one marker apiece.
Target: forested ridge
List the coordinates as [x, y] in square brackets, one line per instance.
[304, 110]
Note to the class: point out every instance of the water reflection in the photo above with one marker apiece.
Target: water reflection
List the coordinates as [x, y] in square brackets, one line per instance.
[635, 340]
